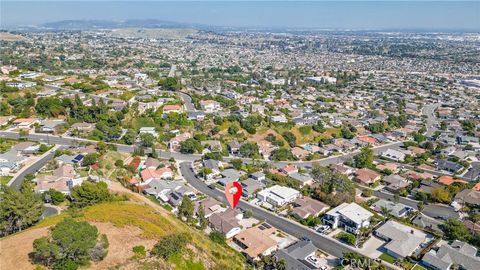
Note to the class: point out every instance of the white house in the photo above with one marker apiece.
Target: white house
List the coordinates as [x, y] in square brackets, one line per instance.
[351, 217]
[393, 155]
[210, 106]
[150, 130]
[278, 195]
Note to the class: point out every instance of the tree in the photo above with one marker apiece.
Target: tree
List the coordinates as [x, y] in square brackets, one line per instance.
[56, 196]
[419, 137]
[186, 208]
[170, 245]
[45, 252]
[89, 193]
[249, 150]
[129, 137]
[420, 206]
[190, 146]
[396, 197]
[147, 139]
[237, 163]
[18, 209]
[89, 159]
[43, 148]
[119, 163]
[454, 229]
[271, 262]
[318, 127]
[290, 138]
[170, 84]
[202, 220]
[441, 195]
[346, 133]
[218, 237]
[365, 158]
[69, 245]
[281, 154]
[347, 238]
[233, 129]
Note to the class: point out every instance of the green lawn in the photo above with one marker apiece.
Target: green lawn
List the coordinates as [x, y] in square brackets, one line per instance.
[5, 179]
[418, 267]
[388, 258]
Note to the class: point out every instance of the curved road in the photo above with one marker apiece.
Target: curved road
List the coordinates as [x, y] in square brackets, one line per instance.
[323, 242]
[69, 141]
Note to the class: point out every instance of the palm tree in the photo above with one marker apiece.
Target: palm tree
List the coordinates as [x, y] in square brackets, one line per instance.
[385, 212]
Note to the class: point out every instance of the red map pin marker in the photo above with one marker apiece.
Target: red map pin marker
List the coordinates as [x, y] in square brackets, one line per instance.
[233, 192]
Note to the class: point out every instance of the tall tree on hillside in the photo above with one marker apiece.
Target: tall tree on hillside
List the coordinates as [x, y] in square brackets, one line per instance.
[18, 209]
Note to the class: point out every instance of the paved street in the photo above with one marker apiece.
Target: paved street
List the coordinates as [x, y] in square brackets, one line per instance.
[429, 111]
[322, 242]
[432, 210]
[69, 141]
[17, 181]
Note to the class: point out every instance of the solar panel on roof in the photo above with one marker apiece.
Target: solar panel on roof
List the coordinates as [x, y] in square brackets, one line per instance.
[78, 158]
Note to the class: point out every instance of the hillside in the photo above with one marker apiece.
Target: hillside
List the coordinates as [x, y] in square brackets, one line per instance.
[128, 224]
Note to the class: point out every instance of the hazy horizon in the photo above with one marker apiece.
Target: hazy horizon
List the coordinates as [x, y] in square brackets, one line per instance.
[353, 15]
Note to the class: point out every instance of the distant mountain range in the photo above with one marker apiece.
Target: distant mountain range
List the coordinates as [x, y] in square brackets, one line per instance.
[103, 24]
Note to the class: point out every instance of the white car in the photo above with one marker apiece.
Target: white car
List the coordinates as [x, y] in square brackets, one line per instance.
[322, 228]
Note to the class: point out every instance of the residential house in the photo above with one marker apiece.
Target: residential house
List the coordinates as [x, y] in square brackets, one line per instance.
[210, 206]
[349, 216]
[174, 143]
[395, 182]
[151, 163]
[256, 241]
[429, 223]
[447, 180]
[393, 155]
[214, 166]
[390, 166]
[160, 189]
[448, 166]
[304, 207]
[278, 195]
[82, 127]
[198, 116]
[229, 175]
[148, 130]
[164, 173]
[226, 222]
[402, 241]
[61, 180]
[398, 210]
[258, 176]
[250, 187]
[457, 253]
[302, 255]
[4, 120]
[210, 106]
[468, 197]
[234, 148]
[48, 126]
[366, 176]
[172, 108]
[304, 179]
[24, 123]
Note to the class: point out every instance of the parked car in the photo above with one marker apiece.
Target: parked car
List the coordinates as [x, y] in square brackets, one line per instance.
[322, 228]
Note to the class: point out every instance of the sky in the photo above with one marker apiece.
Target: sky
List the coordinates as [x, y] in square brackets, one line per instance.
[352, 15]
